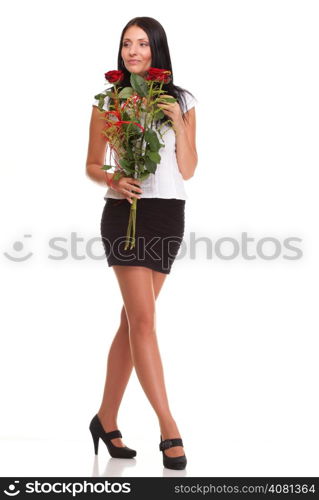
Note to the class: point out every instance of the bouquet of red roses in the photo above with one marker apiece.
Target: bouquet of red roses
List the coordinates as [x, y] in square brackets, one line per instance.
[134, 142]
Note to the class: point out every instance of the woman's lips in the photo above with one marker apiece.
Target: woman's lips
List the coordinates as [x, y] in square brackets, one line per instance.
[134, 62]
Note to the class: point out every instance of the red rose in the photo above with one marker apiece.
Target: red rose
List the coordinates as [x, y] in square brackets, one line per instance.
[114, 76]
[158, 75]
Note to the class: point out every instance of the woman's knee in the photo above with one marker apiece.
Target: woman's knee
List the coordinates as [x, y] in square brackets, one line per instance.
[142, 323]
[124, 325]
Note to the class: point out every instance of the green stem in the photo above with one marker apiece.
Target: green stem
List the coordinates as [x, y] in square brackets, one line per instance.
[131, 226]
[133, 208]
[159, 94]
[128, 231]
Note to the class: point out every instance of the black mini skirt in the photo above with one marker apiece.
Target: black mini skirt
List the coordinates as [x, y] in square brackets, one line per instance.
[159, 232]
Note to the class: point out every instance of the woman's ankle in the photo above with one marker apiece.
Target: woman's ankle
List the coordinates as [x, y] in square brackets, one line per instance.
[109, 422]
[168, 428]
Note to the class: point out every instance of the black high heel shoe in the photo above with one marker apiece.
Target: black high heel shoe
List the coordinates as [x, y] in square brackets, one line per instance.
[172, 462]
[98, 432]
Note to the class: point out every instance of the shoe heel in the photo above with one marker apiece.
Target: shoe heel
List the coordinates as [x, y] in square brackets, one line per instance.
[98, 432]
[95, 441]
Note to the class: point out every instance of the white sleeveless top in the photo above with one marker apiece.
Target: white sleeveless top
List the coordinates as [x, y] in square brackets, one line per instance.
[167, 182]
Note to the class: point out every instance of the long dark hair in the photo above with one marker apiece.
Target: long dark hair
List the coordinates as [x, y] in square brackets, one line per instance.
[160, 57]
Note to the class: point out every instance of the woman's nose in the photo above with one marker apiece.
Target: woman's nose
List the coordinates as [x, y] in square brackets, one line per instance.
[132, 51]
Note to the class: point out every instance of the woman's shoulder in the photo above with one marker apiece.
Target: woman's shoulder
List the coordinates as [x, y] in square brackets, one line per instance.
[188, 100]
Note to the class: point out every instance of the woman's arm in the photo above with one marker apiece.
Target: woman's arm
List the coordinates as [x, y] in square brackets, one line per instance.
[97, 150]
[186, 153]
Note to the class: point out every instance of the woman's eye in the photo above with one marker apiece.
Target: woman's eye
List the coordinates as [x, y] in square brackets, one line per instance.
[143, 43]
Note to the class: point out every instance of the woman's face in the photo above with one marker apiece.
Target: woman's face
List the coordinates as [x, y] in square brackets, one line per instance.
[136, 50]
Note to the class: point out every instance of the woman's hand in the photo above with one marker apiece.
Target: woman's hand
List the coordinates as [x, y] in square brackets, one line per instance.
[171, 109]
[127, 186]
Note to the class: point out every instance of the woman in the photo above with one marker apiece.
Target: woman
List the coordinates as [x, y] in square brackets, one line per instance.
[160, 221]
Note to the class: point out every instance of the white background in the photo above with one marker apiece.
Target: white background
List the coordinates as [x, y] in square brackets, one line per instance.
[238, 337]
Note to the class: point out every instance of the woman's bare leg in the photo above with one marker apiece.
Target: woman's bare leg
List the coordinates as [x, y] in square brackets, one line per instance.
[119, 368]
[118, 371]
[136, 284]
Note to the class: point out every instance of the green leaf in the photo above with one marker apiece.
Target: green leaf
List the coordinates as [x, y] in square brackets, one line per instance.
[144, 176]
[117, 176]
[106, 167]
[150, 165]
[155, 157]
[152, 139]
[136, 129]
[124, 163]
[101, 104]
[129, 154]
[159, 114]
[126, 92]
[139, 84]
[166, 99]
